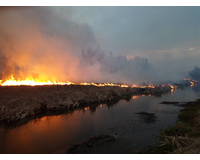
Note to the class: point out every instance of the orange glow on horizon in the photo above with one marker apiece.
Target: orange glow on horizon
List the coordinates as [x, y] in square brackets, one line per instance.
[30, 82]
[34, 82]
[11, 81]
[149, 86]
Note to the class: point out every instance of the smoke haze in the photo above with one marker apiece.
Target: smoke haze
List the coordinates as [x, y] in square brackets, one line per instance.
[99, 44]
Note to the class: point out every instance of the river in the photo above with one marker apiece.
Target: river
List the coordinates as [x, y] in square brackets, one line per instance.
[52, 133]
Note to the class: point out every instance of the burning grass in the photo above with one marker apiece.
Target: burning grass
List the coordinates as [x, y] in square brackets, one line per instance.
[20, 102]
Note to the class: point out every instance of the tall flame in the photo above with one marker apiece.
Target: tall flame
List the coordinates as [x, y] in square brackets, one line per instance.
[30, 82]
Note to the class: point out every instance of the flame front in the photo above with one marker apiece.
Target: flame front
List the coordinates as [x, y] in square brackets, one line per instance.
[192, 82]
[34, 82]
[31, 82]
[149, 86]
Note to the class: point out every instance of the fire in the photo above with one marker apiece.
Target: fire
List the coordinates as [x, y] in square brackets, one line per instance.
[134, 86]
[102, 84]
[34, 82]
[173, 88]
[149, 86]
[11, 81]
[192, 82]
[30, 82]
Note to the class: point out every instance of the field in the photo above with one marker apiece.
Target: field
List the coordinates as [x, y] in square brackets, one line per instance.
[21, 102]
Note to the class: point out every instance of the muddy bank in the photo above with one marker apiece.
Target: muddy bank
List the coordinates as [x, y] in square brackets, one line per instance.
[93, 145]
[21, 102]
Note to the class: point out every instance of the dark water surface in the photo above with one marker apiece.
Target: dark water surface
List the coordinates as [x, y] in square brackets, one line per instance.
[51, 133]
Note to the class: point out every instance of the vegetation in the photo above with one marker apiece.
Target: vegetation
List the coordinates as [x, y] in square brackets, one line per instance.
[25, 102]
[184, 137]
[19, 102]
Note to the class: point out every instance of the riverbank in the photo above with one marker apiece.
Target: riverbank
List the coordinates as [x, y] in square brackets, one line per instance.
[20, 102]
[184, 137]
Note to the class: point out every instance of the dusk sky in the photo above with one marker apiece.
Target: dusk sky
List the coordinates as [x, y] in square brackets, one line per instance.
[100, 44]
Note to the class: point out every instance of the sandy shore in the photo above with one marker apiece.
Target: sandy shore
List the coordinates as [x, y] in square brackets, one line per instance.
[22, 102]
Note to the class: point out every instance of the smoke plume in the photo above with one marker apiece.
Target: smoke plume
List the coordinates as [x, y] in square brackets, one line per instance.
[195, 73]
[50, 43]
[37, 42]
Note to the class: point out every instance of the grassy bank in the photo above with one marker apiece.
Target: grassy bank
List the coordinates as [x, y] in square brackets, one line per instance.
[20, 102]
[184, 137]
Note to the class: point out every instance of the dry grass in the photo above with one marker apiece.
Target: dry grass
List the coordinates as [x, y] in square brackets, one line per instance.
[19, 102]
[173, 144]
[185, 136]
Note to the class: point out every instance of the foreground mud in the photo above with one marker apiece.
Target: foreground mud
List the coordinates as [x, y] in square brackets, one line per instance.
[21, 102]
[93, 145]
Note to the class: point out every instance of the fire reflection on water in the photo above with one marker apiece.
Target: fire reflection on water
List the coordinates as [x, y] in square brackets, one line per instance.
[86, 108]
[134, 97]
[51, 133]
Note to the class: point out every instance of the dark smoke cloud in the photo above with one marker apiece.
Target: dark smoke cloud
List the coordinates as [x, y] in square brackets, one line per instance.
[195, 73]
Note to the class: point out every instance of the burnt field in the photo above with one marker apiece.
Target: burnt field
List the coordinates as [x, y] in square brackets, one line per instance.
[22, 103]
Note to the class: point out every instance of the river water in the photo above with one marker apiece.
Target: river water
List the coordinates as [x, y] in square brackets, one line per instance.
[51, 133]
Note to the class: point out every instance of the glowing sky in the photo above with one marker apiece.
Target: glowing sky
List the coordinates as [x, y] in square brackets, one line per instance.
[125, 44]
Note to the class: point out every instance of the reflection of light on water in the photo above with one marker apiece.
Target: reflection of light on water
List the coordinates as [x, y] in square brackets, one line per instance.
[134, 97]
[86, 108]
[47, 134]
[101, 105]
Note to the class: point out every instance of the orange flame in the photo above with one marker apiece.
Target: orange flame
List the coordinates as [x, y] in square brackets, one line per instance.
[134, 86]
[173, 88]
[149, 86]
[192, 84]
[34, 82]
[31, 82]
[191, 81]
